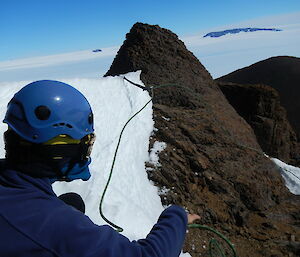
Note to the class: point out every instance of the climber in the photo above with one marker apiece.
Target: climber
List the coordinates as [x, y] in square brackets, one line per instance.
[49, 138]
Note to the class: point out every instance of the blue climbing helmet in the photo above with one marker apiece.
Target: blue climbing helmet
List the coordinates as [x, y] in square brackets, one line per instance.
[45, 109]
[56, 122]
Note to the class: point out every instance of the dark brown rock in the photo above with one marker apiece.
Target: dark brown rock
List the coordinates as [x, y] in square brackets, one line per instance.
[213, 164]
[283, 74]
[260, 106]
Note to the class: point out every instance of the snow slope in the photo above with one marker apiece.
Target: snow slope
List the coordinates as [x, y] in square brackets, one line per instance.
[290, 174]
[131, 202]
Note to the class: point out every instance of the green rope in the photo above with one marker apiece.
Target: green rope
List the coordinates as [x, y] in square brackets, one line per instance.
[119, 229]
[213, 245]
[215, 249]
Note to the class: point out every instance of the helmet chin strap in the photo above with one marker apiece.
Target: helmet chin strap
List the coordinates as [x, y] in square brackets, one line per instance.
[75, 170]
[65, 171]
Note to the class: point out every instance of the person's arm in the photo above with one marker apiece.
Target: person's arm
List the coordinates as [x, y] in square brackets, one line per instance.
[167, 236]
[80, 237]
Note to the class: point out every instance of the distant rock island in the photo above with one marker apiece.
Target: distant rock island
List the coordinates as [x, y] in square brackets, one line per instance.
[235, 31]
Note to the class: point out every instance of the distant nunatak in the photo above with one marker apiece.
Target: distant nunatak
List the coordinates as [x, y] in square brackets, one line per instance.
[235, 31]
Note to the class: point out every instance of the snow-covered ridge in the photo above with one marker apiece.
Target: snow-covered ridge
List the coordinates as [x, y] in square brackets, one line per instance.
[235, 31]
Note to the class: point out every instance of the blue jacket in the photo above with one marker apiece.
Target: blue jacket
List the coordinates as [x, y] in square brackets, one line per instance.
[34, 222]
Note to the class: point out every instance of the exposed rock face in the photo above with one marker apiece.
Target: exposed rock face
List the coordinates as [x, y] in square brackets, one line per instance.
[281, 73]
[213, 164]
[260, 106]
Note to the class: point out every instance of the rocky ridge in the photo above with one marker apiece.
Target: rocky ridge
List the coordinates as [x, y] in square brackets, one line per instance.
[280, 73]
[260, 106]
[213, 164]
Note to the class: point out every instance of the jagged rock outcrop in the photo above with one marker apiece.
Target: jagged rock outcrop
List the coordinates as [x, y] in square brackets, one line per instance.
[212, 164]
[281, 73]
[260, 106]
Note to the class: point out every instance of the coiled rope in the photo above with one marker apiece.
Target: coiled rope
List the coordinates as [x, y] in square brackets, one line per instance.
[215, 248]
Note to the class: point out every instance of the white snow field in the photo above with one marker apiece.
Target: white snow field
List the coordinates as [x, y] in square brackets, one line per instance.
[219, 55]
[228, 53]
[131, 202]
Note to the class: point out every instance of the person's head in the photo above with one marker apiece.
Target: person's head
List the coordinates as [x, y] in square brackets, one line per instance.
[50, 131]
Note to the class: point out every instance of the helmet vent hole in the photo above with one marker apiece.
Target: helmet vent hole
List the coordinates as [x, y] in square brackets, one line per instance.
[42, 112]
[62, 125]
[91, 118]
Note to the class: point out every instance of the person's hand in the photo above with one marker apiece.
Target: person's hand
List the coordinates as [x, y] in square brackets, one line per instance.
[192, 218]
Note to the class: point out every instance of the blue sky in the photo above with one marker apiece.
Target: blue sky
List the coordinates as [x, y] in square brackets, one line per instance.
[41, 27]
